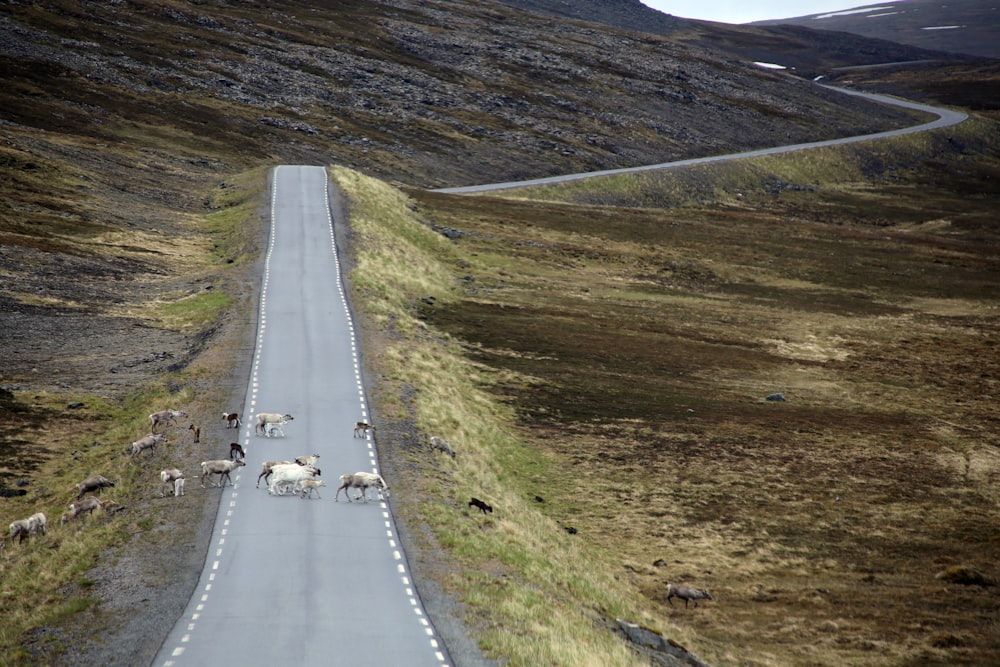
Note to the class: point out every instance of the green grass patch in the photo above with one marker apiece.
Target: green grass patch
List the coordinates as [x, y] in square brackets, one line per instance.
[233, 204]
[193, 312]
[92, 437]
[798, 174]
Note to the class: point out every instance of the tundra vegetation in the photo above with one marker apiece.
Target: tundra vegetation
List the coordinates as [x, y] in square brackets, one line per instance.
[609, 344]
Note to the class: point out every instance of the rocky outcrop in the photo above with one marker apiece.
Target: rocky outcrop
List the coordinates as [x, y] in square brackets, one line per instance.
[662, 651]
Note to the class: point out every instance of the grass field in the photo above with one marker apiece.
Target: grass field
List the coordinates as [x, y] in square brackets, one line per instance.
[616, 360]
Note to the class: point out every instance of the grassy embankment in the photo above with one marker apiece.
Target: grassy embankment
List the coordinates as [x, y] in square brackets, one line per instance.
[540, 594]
[608, 345]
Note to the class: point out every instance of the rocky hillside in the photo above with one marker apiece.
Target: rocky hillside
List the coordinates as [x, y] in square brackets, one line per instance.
[444, 93]
[624, 14]
[957, 26]
[806, 49]
[115, 116]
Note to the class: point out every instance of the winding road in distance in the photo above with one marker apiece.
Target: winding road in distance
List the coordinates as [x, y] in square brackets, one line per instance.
[946, 117]
[287, 581]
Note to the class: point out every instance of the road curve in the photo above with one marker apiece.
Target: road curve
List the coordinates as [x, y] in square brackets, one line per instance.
[946, 117]
[289, 581]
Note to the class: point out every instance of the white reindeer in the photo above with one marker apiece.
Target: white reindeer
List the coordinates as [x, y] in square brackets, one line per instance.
[264, 418]
[169, 477]
[220, 467]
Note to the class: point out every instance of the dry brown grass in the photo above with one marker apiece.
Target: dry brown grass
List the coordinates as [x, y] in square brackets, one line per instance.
[638, 346]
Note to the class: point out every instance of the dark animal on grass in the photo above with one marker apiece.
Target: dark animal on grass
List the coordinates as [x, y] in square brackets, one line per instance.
[95, 483]
[197, 432]
[483, 507]
[686, 593]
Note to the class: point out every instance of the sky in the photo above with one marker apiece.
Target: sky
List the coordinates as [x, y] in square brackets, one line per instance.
[745, 11]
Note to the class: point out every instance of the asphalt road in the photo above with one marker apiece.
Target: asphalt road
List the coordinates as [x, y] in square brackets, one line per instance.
[291, 581]
[945, 118]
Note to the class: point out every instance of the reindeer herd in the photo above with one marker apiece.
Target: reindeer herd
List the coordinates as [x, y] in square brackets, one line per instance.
[300, 476]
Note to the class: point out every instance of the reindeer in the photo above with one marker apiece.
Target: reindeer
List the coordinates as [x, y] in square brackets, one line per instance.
[363, 428]
[232, 419]
[164, 417]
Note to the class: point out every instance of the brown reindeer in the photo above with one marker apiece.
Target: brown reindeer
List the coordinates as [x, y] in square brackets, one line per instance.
[232, 419]
[363, 428]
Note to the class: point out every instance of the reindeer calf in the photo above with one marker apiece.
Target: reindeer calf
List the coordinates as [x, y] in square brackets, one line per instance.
[362, 428]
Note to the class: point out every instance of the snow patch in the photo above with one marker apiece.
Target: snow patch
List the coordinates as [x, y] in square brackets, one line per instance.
[863, 10]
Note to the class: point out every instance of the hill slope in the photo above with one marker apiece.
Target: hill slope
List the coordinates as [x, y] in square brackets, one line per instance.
[449, 93]
[805, 50]
[957, 26]
[117, 117]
